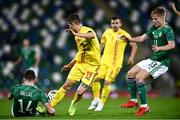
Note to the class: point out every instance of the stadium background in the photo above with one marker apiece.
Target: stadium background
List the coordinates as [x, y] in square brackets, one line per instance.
[44, 22]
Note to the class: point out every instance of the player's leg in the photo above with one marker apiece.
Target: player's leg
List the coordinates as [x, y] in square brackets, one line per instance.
[105, 93]
[96, 86]
[61, 92]
[73, 76]
[57, 97]
[155, 69]
[132, 86]
[142, 91]
[110, 77]
[78, 95]
[87, 79]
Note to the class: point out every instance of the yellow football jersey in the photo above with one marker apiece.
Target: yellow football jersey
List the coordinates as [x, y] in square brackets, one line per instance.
[113, 54]
[88, 49]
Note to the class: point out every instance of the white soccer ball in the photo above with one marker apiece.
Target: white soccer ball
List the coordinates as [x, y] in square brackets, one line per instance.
[51, 94]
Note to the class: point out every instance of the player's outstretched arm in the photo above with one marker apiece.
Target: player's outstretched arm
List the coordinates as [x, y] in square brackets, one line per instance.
[133, 53]
[88, 35]
[138, 38]
[68, 66]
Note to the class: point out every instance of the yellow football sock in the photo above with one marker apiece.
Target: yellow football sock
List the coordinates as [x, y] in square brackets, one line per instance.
[105, 93]
[76, 98]
[96, 86]
[58, 97]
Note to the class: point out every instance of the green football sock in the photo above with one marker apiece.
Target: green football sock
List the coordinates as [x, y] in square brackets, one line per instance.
[132, 88]
[142, 90]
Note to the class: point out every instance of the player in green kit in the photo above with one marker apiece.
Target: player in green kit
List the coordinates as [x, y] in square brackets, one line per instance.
[27, 96]
[162, 37]
[29, 57]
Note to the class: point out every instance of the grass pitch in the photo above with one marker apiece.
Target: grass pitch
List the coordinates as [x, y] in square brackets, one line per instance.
[161, 108]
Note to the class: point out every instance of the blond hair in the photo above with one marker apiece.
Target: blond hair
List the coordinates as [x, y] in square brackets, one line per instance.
[159, 11]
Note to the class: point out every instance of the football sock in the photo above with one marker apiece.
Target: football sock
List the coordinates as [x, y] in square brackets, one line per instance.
[132, 88]
[58, 97]
[105, 93]
[96, 86]
[76, 98]
[142, 90]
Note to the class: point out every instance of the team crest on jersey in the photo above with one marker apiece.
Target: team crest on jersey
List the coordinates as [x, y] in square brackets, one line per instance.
[78, 40]
[118, 37]
[160, 34]
[157, 35]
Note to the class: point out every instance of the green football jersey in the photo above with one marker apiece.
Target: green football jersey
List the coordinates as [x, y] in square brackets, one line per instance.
[26, 98]
[28, 56]
[160, 37]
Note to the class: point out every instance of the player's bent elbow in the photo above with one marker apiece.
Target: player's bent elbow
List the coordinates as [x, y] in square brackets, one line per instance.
[172, 46]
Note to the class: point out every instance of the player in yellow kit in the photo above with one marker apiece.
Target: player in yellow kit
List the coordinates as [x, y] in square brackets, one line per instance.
[111, 61]
[83, 67]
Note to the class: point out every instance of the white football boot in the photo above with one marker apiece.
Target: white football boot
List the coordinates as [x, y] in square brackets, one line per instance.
[99, 107]
[94, 103]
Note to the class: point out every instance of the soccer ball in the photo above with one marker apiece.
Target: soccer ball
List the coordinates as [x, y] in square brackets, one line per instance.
[51, 94]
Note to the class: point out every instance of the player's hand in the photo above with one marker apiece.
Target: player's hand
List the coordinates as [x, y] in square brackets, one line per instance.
[130, 61]
[73, 32]
[125, 38]
[155, 48]
[66, 67]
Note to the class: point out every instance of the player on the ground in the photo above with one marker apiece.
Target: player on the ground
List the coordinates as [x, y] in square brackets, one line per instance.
[111, 61]
[26, 97]
[162, 36]
[83, 67]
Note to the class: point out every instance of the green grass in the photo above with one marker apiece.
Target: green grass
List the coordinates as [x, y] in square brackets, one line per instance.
[161, 108]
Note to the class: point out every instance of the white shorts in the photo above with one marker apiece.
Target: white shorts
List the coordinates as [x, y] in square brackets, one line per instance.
[155, 68]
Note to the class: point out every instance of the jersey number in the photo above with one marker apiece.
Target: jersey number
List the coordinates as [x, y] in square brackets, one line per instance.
[27, 107]
[152, 65]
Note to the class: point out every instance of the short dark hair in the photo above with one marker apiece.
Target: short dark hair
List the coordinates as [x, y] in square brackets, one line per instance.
[115, 17]
[74, 18]
[29, 75]
[159, 11]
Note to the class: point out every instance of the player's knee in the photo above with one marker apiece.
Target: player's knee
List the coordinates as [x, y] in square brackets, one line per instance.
[130, 74]
[139, 79]
[107, 82]
[97, 79]
[67, 87]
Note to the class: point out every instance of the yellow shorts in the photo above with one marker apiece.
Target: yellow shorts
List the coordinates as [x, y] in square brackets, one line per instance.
[83, 72]
[108, 73]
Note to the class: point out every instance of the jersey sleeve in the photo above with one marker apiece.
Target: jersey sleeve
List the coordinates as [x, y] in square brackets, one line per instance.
[87, 30]
[127, 35]
[103, 39]
[44, 98]
[170, 35]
